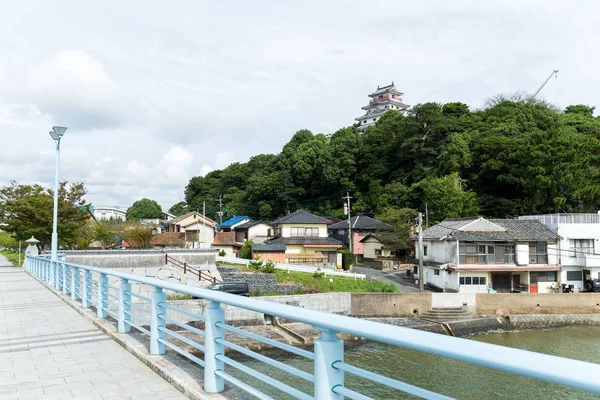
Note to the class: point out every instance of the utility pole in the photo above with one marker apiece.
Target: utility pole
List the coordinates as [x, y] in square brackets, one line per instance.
[426, 217]
[347, 212]
[220, 210]
[420, 228]
[203, 221]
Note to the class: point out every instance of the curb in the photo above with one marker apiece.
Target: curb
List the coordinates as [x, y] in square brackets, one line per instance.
[169, 366]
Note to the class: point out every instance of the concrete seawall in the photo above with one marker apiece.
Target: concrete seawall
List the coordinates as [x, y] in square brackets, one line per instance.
[200, 258]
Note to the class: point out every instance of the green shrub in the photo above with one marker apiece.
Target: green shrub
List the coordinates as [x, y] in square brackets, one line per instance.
[268, 268]
[222, 253]
[257, 292]
[246, 250]
[318, 274]
[347, 259]
[255, 264]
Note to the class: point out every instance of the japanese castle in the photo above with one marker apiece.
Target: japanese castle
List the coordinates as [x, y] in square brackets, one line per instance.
[383, 99]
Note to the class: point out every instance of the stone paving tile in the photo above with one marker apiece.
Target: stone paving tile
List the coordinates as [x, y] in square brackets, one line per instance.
[49, 351]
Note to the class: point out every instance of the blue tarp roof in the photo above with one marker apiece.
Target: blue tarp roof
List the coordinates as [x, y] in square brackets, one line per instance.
[233, 221]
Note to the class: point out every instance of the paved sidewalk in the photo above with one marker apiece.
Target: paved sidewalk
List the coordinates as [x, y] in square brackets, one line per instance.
[49, 351]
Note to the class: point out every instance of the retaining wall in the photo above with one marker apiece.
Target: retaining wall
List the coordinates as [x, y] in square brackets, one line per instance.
[266, 283]
[200, 258]
[541, 303]
[389, 304]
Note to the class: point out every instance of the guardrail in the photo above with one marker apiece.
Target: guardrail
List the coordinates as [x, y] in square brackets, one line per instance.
[295, 267]
[194, 271]
[90, 286]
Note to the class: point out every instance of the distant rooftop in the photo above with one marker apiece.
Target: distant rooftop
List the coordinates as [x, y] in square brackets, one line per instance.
[301, 217]
[565, 218]
[233, 221]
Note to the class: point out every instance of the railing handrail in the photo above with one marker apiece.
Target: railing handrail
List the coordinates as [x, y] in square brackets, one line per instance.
[574, 373]
[197, 271]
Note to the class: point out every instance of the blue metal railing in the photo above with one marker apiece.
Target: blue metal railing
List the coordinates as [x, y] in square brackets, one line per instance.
[150, 317]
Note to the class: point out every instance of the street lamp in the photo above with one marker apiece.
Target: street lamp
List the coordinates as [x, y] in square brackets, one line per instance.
[56, 133]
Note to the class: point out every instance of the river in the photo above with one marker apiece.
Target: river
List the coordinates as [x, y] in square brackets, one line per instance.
[448, 377]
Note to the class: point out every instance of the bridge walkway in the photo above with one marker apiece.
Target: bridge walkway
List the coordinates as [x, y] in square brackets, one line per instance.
[49, 351]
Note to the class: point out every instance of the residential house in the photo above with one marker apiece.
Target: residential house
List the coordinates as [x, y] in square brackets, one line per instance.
[578, 253]
[257, 231]
[361, 227]
[226, 241]
[377, 246]
[473, 255]
[305, 238]
[232, 223]
[198, 229]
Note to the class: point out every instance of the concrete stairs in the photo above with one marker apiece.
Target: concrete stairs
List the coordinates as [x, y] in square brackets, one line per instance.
[447, 314]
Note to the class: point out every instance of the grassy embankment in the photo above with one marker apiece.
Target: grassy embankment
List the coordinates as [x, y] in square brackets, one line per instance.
[13, 256]
[317, 283]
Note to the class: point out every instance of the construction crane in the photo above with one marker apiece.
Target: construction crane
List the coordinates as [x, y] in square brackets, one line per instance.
[555, 73]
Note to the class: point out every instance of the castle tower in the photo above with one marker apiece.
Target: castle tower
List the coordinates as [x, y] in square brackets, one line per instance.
[383, 99]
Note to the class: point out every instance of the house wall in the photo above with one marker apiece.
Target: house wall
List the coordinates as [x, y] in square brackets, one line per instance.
[206, 234]
[285, 229]
[295, 249]
[474, 288]
[258, 230]
[576, 231]
[107, 213]
[275, 256]
[522, 253]
[357, 246]
[369, 247]
[228, 249]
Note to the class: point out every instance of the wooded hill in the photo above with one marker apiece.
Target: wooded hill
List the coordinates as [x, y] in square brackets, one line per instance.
[511, 158]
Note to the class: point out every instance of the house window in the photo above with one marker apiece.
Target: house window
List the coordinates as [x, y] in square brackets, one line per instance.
[436, 271]
[581, 246]
[374, 119]
[542, 276]
[538, 253]
[472, 280]
[574, 275]
[304, 231]
[377, 252]
[424, 250]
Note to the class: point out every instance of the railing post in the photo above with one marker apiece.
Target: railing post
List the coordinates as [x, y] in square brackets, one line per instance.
[66, 287]
[75, 283]
[102, 296]
[184, 268]
[328, 350]
[86, 298]
[214, 314]
[124, 306]
[157, 320]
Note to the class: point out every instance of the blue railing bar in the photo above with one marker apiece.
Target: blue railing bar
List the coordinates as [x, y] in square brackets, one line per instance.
[116, 289]
[139, 328]
[247, 388]
[176, 335]
[182, 325]
[135, 305]
[351, 394]
[291, 370]
[267, 379]
[139, 296]
[180, 311]
[573, 373]
[137, 317]
[112, 296]
[182, 352]
[271, 342]
[109, 312]
[393, 383]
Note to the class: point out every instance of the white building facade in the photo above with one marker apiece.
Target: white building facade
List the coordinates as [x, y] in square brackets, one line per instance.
[108, 212]
[383, 99]
[476, 255]
[579, 248]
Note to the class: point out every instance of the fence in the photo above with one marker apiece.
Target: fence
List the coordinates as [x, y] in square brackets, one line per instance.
[90, 286]
[296, 267]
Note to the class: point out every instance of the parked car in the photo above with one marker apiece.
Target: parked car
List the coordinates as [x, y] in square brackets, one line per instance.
[239, 288]
[592, 285]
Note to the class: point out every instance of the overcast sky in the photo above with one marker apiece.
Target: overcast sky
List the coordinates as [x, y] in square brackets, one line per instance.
[156, 92]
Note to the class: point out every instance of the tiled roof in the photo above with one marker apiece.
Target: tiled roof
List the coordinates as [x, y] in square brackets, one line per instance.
[513, 229]
[268, 247]
[250, 224]
[184, 216]
[233, 221]
[225, 238]
[167, 238]
[301, 217]
[383, 238]
[358, 222]
[302, 240]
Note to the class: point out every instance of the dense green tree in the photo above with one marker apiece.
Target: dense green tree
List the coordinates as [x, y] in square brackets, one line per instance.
[144, 208]
[398, 229]
[446, 197]
[27, 210]
[178, 209]
[8, 241]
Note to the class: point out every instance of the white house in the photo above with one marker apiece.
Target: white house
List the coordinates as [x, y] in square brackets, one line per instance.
[579, 248]
[473, 255]
[257, 231]
[199, 230]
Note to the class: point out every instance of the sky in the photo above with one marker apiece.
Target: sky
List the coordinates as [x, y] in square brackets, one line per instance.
[154, 93]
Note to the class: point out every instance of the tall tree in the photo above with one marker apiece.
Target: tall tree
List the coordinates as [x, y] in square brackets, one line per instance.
[178, 209]
[144, 208]
[28, 210]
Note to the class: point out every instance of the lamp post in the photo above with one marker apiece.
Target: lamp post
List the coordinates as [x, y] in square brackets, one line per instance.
[56, 133]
